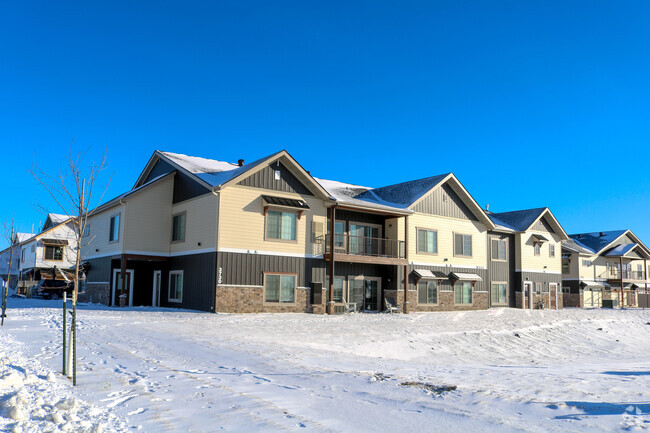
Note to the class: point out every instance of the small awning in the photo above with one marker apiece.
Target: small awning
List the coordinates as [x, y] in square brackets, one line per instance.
[55, 242]
[465, 277]
[430, 275]
[540, 238]
[594, 284]
[566, 256]
[286, 202]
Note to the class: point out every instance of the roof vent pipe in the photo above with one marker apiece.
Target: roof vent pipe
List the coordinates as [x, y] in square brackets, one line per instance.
[579, 236]
[240, 162]
[487, 207]
[601, 234]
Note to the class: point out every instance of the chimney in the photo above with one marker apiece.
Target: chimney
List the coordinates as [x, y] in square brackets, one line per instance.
[240, 162]
[601, 234]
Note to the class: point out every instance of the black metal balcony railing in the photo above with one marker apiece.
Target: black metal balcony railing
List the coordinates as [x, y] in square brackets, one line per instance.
[616, 274]
[365, 246]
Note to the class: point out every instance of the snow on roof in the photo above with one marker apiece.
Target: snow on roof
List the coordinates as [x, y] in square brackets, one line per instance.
[348, 193]
[518, 220]
[22, 237]
[403, 194]
[57, 218]
[620, 250]
[211, 171]
[596, 241]
[576, 246]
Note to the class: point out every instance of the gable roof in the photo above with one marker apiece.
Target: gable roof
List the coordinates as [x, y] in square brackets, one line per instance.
[349, 194]
[523, 220]
[214, 174]
[597, 242]
[623, 249]
[404, 194]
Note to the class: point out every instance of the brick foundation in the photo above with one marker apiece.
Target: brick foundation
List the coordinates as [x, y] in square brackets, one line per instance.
[445, 301]
[540, 301]
[573, 300]
[96, 293]
[251, 300]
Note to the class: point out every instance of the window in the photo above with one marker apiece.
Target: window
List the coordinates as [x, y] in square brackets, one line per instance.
[22, 255]
[499, 248]
[339, 237]
[33, 248]
[175, 286]
[427, 292]
[178, 228]
[53, 252]
[338, 289]
[538, 248]
[114, 234]
[546, 287]
[538, 288]
[586, 263]
[551, 250]
[463, 292]
[86, 231]
[565, 266]
[565, 289]
[281, 225]
[427, 241]
[639, 268]
[280, 288]
[462, 245]
[499, 293]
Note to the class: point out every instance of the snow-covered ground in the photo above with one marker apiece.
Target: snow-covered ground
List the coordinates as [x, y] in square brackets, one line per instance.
[158, 370]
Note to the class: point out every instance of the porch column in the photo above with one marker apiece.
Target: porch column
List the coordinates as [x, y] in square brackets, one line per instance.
[645, 273]
[123, 273]
[621, 271]
[330, 292]
[406, 266]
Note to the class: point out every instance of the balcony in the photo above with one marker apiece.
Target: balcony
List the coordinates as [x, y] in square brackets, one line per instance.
[363, 249]
[615, 274]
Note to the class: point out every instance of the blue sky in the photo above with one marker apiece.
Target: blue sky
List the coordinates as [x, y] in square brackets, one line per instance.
[529, 103]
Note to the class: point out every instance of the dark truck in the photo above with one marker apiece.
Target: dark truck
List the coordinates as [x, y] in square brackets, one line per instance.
[53, 289]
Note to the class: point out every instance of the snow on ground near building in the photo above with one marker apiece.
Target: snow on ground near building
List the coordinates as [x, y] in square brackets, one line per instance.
[160, 370]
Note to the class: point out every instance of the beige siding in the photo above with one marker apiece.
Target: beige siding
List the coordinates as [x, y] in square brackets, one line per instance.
[148, 216]
[97, 238]
[446, 228]
[200, 224]
[242, 222]
[543, 262]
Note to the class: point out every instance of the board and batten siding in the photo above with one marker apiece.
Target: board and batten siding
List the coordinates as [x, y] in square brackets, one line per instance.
[542, 225]
[100, 270]
[499, 271]
[446, 228]
[242, 222]
[444, 201]
[199, 281]
[444, 285]
[265, 179]
[248, 269]
[200, 224]
[149, 222]
[539, 277]
[96, 243]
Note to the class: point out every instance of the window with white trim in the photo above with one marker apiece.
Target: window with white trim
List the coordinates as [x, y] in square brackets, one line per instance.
[427, 292]
[114, 230]
[86, 231]
[551, 250]
[178, 227]
[280, 288]
[463, 292]
[175, 286]
[587, 263]
[427, 241]
[538, 288]
[499, 249]
[462, 245]
[281, 225]
[499, 293]
[538, 248]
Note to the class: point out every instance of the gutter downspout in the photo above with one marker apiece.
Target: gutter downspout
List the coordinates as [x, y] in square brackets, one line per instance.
[406, 266]
[216, 191]
[123, 260]
[621, 271]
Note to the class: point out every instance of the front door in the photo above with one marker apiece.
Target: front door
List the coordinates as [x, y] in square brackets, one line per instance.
[552, 294]
[528, 295]
[155, 297]
[117, 286]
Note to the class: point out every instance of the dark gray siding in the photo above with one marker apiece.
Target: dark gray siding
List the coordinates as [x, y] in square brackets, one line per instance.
[445, 202]
[248, 269]
[573, 285]
[360, 217]
[445, 285]
[543, 225]
[100, 270]
[502, 271]
[199, 283]
[185, 187]
[539, 277]
[265, 179]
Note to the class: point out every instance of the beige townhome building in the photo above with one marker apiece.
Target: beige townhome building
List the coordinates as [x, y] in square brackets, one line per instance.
[266, 236]
[607, 268]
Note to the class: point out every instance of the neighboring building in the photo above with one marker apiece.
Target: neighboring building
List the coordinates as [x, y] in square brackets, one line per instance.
[5, 256]
[50, 253]
[215, 236]
[534, 237]
[601, 266]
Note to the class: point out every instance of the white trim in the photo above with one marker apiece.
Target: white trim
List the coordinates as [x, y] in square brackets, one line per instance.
[269, 253]
[100, 256]
[447, 265]
[538, 271]
[169, 286]
[155, 291]
[151, 253]
[128, 271]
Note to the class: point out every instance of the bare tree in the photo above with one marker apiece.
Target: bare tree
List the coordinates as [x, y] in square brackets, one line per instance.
[12, 237]
[72, 190]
